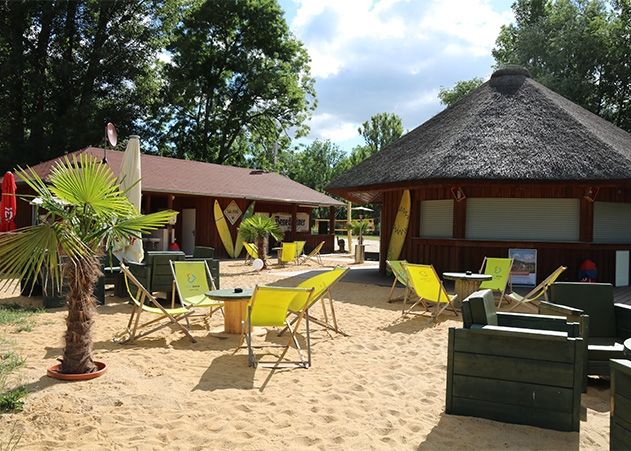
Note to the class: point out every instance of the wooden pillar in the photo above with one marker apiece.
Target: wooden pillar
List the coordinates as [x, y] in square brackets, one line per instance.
[349, 234]
[146, 200]
[332, 223]
[586, 231]
[294, 210]
[170, 199]
[460, 218]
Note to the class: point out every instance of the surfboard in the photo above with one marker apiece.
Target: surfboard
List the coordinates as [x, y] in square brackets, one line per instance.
[224, 230]
[400, 227]
[238, 246]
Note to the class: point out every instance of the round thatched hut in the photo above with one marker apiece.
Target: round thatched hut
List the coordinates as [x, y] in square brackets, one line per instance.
[512, 165]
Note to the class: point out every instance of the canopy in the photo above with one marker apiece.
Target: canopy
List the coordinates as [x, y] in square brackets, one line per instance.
[8, 204]
[130, 183]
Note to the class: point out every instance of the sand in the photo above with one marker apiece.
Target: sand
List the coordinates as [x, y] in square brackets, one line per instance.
[381, 388]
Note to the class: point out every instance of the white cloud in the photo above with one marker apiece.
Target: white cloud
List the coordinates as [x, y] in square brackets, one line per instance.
[329, 126]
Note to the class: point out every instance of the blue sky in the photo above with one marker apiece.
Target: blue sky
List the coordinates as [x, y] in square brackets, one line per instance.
[372, 56]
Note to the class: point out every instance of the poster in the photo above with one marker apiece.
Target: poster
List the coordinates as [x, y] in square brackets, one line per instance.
[232, 212]
[524, 270]
[302, 222]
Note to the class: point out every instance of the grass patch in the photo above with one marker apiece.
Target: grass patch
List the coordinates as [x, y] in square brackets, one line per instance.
[19, 316]
[13, 400]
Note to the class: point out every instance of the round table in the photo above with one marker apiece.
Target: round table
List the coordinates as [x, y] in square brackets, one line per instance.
[234, 307]
[465, 284]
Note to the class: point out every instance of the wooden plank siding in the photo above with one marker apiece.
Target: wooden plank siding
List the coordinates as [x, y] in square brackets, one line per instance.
[459, 254]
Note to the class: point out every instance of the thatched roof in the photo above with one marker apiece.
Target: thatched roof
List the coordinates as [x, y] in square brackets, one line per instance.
[510, 129]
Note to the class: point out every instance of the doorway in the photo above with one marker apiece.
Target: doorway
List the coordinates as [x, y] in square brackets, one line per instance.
[188, 230]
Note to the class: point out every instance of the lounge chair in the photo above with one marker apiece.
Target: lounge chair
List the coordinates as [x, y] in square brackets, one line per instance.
[314, 255]
[251, 252]
[287, 253]
[268, 307]
[300, 247]
[165, 316]
[538, 293]
[154, 273]
[429, 288]
[500, 269]
[398, 269]
[321, 284]
[191, 280]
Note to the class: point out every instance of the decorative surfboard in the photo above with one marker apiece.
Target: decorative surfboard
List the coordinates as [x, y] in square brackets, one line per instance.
[224, 230]
[238, 246]
[400, 227]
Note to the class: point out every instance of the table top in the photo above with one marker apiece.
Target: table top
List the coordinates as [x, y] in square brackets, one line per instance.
[465, 276]
[228, 294]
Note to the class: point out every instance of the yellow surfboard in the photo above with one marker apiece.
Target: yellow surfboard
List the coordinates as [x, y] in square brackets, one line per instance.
[400, 227]
[238, 246]
[224, 230]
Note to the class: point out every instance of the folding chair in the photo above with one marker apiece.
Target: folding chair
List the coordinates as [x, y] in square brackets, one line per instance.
[268, 308]
[191, 282]
[300, 247]
[251, 252]
[314, 255]
[500, 269]
[166, 317]
[321, 284]
[287, 253]
[429, 288]
[540, 291]
[398, 269]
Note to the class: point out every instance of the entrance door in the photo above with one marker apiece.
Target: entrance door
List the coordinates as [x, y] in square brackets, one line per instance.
[188, 230]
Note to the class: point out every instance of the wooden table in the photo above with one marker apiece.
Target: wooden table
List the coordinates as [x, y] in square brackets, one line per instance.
[234, 307]
[466, 283]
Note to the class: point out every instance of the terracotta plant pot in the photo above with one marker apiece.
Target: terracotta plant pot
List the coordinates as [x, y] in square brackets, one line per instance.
[53, 372]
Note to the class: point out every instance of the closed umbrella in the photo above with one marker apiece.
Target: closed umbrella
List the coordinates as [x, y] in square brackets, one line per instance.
[130, 183]
[8, 205]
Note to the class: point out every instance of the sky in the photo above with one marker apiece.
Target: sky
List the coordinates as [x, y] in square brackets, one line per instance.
[393, 56]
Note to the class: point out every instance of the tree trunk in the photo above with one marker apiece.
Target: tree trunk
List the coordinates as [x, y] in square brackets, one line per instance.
[260, 250]
[82, 277]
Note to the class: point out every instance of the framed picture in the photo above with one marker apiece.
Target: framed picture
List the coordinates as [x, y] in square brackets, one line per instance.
[524, 270]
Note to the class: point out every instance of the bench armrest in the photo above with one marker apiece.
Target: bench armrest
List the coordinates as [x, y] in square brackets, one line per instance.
[548, 308]
[540, 322]
[623, 321]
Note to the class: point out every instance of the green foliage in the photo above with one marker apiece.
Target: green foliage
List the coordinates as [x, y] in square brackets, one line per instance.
[259, 227]
[13, 400]
[19, 316]
[381, 130]
[579, 49]
[449, 96]
[317, 164]
[237, 79]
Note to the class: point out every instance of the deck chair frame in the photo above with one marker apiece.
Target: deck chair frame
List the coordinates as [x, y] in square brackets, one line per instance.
[314, 255]
[133, 329]
[424, 302]
[211, 305]
[399, 276]
[508, 277]
[537, 292]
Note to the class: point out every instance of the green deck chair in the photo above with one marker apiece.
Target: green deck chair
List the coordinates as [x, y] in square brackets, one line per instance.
[287, 253]
[268, 308]
[321, 284]
[191, 280]
[251, 253]
[314, 255]
[398, 270]
[429, 288]
[500, 269]
[300, 247]
[538, 293]
[165, 316]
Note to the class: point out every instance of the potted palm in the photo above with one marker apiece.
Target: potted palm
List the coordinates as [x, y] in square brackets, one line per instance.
[84, 211]
[257, 229]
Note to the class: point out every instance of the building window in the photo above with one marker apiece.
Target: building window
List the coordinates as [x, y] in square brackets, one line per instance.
[612, 222]
[437, 219]
[523, 219]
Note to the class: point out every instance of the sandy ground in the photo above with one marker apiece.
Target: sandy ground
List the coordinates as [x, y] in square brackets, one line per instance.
[381, 388]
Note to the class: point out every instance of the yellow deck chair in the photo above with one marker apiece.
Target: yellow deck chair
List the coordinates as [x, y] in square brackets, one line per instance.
[429, 288]
[251, 252]
[314, 255]
[321, 284]
[191, 280]
[538, 293]
[398, 270]
[165, 317]
[300, 247]
[268, 308]
[287, 253]
[500, 269]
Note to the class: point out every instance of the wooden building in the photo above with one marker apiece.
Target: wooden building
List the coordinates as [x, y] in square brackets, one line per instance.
[512, 165]
[191, 188]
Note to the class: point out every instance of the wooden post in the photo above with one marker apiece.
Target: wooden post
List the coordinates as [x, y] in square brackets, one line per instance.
[294, 211]
[586, 221]
[146, 200]
[332, 225]
[170, 199]
[348, 233]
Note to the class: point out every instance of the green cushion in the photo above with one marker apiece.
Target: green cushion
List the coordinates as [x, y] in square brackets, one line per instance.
[479, 308]
[595, 299]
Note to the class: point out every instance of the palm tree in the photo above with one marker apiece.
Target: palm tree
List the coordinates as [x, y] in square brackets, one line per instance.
[256, 229]
[83, 212]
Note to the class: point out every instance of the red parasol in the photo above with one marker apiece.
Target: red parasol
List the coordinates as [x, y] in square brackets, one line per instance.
[8, 205]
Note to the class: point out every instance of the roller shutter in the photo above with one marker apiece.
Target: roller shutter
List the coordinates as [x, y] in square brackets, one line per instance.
[612, 222]
[437, 219]
[523, 219]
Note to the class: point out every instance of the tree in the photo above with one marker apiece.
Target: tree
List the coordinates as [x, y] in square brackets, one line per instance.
[317, 164]
[68, 67]
[257, 228]
[236, 76]
[449, 96]
[381, 130]
[85, 213]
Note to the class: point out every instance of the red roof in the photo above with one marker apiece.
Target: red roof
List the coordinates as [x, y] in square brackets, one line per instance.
[174, 176]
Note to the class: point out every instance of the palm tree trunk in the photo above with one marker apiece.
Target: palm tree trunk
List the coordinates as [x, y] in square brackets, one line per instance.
[260, 249]
[82, 277]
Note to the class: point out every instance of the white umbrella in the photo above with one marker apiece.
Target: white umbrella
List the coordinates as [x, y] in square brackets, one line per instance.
[130, 183]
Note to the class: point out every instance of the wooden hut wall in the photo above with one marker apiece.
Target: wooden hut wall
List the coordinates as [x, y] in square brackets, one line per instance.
[459, 254]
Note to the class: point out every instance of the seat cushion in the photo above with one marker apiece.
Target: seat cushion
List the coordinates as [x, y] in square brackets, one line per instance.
[479, 308]
[600, 348]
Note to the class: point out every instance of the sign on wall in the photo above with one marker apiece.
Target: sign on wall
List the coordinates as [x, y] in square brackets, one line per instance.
[302, 222]
[524, 270]
[232, 212]
[283, 220]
